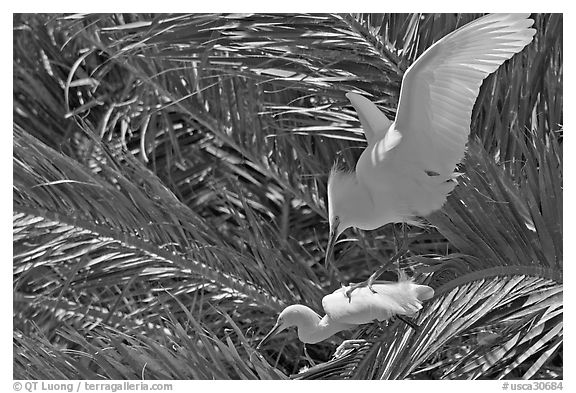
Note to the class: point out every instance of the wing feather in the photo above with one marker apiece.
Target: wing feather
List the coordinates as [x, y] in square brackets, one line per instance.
[374, 122]
[439, 90]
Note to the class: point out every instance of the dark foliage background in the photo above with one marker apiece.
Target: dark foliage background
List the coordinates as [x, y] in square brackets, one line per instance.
[169, 178]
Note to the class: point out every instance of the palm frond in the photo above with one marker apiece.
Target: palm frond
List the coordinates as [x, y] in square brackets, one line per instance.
[522, 312]
[169, 184]
[184, 352]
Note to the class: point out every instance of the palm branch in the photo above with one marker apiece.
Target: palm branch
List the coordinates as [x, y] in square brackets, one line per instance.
[169, 187]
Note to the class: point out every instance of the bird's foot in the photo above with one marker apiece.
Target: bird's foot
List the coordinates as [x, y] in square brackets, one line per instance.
[346, 347]
[353, 287]
[368, 283]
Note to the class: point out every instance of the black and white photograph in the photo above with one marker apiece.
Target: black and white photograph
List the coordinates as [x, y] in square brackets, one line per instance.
[287, 196]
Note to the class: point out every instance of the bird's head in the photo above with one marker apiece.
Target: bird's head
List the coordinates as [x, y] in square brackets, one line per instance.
[294, 315]
[342, 206]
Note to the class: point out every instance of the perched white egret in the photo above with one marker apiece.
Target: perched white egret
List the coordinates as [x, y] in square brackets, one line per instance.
[345, 312]
[407, 169]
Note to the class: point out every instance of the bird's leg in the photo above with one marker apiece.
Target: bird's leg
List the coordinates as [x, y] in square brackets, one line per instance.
[312, 363]
[403, 247]
[395, 259]
[403, 250]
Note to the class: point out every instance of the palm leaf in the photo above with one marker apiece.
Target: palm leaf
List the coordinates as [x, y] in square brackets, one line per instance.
[170, 160]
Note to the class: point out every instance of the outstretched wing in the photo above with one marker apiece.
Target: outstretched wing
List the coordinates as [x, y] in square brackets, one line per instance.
[440, 88]
[374, 122]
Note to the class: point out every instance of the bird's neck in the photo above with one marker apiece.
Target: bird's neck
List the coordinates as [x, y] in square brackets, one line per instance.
[311, 330]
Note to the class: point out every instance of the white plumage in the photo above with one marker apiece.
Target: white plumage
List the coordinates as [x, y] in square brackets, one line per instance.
[407, 169]
[387, 300]
[345, 312]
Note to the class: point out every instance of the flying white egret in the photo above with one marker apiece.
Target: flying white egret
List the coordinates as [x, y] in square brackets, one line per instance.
[407, 169]
[345, 312]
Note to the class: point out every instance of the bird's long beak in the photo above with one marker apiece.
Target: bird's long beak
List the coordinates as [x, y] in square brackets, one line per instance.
[275, 330]
[331, 242]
